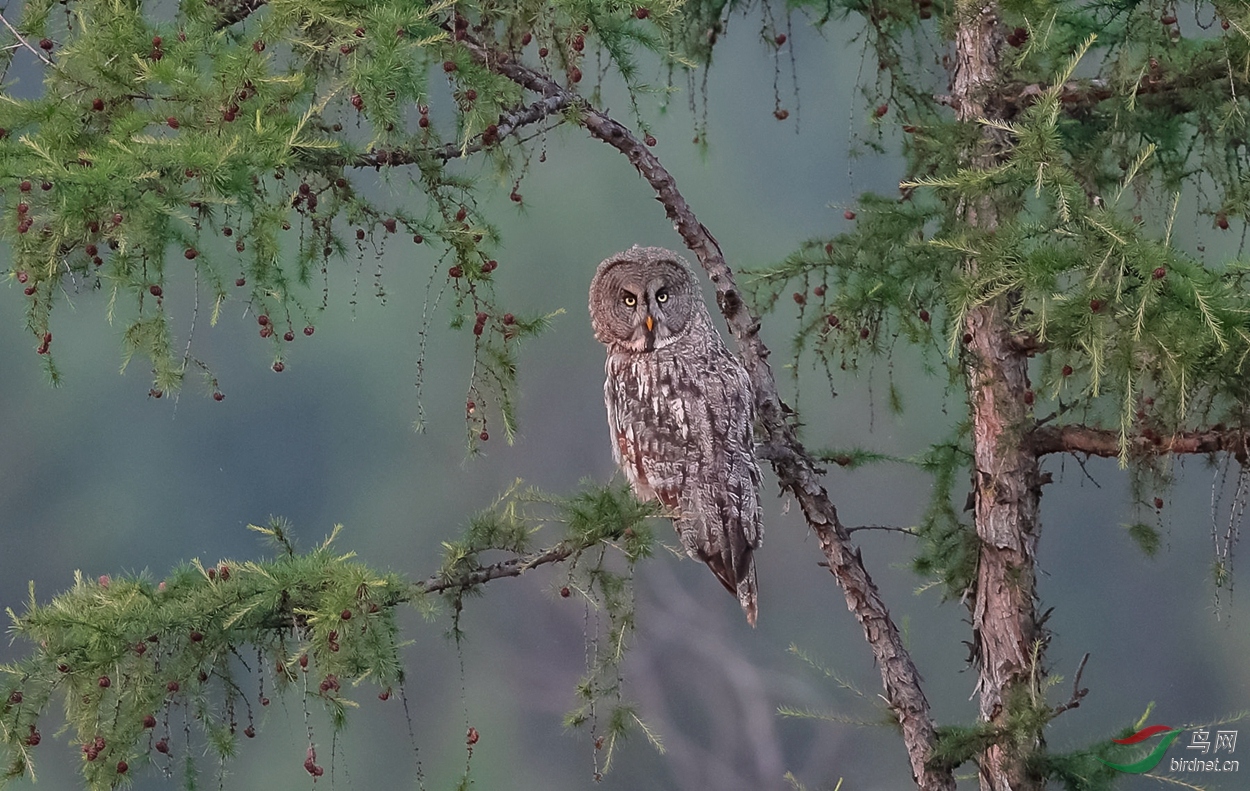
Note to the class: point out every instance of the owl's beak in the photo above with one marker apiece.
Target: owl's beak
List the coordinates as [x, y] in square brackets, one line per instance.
[649, 335]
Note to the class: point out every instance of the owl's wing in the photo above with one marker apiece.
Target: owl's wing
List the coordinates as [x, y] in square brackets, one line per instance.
[723, 519]
[682, 432]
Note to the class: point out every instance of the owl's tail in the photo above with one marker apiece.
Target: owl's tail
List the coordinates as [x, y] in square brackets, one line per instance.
[741, 584]
[747, 591]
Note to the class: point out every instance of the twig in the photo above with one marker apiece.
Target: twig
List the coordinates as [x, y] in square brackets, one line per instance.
[1081, 462]
[512, 567]
[238, 11]
[886, 528]
[21, 40]
[1078, 693]
[509, 123]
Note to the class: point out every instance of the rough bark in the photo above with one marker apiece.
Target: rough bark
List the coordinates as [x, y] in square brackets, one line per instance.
[1006, 634]
[1007, 637]
[1093, 441]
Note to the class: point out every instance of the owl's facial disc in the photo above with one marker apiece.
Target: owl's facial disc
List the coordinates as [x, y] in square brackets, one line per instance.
[643, 305]
[653, 326]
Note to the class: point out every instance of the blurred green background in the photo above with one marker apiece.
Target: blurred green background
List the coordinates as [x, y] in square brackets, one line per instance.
[97, 476]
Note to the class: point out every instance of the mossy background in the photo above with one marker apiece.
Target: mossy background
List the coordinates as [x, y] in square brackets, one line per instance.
[96, 476]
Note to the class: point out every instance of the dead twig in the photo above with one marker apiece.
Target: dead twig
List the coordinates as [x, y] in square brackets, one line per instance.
[1078, 692]
[884, 528]
[22, 40]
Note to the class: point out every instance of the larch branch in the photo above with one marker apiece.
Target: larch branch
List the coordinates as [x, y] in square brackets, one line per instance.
[22, 40]
[1179, 92]
[509, 123]
[1106, 442]
[510, 567]
[460, 580]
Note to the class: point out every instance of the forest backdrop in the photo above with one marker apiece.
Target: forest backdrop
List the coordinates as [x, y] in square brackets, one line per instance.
[95, 475]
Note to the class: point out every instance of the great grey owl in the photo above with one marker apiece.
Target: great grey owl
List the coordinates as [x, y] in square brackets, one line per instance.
[680, 410]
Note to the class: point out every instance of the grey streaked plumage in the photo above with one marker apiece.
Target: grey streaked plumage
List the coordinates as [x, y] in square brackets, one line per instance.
[680, 410]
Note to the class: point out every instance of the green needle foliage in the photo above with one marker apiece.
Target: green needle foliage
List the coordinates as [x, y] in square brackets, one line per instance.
[1123, 313]
[132, 661]
[1098, 209]
[240, 144]
[1136, 327]
[606, 526]
[128, 655]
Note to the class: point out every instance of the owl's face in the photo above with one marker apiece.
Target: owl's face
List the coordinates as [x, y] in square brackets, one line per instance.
[643, 299]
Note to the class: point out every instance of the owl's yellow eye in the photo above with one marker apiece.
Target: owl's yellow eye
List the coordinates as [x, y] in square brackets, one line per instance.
[661, 296]
[629, 299]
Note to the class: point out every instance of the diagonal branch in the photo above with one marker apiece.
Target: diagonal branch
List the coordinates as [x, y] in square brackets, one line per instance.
[794, 467]
[1106, 443]
[22, 40]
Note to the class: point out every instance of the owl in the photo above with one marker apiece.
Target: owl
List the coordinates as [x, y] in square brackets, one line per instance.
[680, 411]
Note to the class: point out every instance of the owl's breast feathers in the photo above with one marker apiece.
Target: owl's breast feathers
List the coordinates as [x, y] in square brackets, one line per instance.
[682, 428]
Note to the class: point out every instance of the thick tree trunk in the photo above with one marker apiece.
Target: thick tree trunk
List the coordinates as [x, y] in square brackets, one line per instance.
[1007, 637]
[1006, 633]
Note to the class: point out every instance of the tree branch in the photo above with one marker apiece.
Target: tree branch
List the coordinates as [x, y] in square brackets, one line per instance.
[509, 123]
[235, 11]
[1078, 692]
[460, 581]
[511, 567]
[795, 469]
[885, 528]
[1106, 443]
[1180, 92]
[22, 40]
